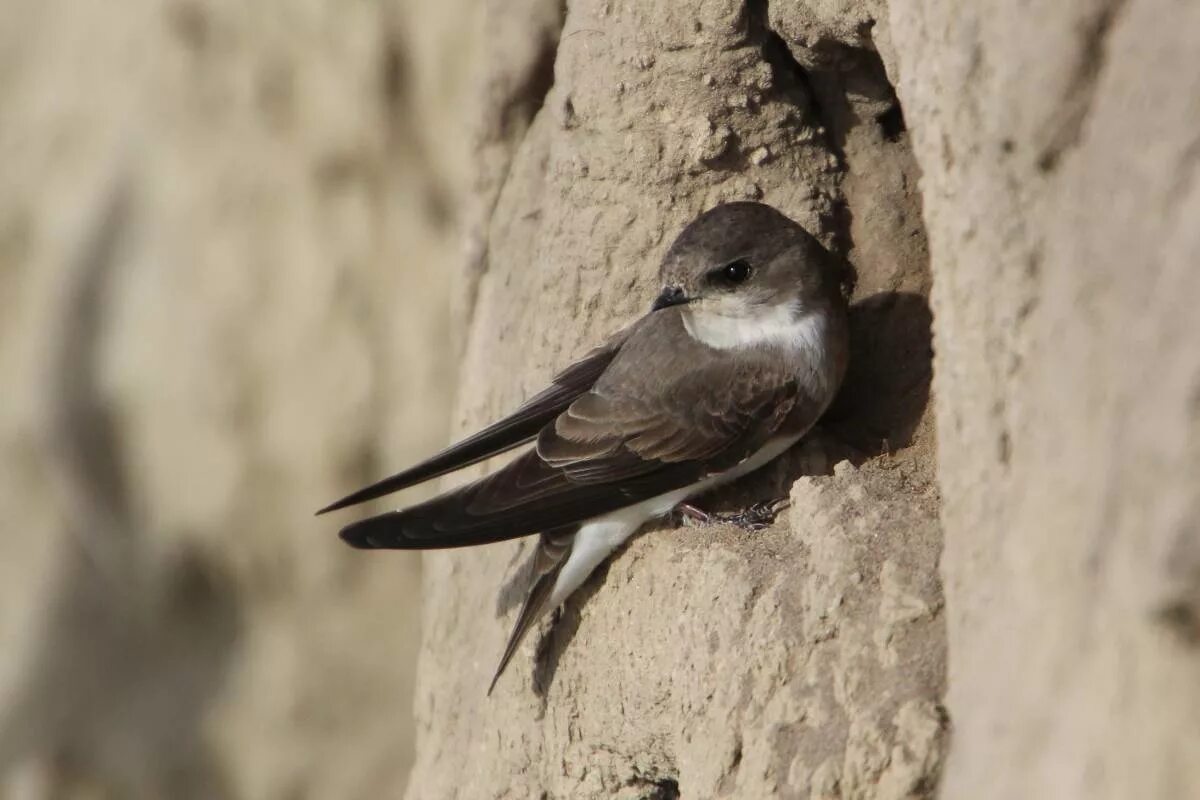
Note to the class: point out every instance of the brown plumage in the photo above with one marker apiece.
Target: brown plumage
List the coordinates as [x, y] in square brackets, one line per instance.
[743, 352]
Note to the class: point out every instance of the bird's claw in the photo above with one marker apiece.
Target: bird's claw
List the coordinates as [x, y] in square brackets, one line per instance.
[758, 516]
[753, 518]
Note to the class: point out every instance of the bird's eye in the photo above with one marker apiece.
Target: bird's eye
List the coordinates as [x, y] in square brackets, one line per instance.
[733, 273]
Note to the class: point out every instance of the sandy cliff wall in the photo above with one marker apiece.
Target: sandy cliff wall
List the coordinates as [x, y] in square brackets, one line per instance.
[1053, 153]
[1060, 152]
[705, 662]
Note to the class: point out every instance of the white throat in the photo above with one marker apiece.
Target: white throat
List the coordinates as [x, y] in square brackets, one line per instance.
[778, 324]
[801, 332]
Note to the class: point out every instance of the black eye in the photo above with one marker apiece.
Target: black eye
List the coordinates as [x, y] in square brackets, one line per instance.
[733, 273]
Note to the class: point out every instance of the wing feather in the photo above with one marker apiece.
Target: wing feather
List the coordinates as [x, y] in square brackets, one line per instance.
[565, 481]
[512, 431]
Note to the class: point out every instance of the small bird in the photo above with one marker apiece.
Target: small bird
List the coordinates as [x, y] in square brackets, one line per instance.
[741, 353]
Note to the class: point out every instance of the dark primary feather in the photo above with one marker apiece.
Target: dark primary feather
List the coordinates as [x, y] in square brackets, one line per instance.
[525, 497]
[662, 416]
[512, 431]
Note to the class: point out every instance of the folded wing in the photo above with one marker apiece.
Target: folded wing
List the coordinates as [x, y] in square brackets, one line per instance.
[614, 446]
[517, 429]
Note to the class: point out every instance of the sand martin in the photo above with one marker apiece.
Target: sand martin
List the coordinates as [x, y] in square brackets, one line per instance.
[741, 353]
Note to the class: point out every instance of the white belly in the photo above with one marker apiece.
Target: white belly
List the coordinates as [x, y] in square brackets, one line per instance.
[598, 537]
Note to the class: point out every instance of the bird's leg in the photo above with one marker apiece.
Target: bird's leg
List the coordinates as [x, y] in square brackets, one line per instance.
[688, 511]
[759, 515]
[753, 518]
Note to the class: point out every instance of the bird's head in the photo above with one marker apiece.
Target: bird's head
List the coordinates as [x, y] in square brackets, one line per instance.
[744, 263]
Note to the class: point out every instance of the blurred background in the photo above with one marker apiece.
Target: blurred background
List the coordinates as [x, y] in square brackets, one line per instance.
[228, 238]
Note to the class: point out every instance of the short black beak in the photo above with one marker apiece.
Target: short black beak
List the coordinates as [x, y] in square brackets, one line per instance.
[670, 296]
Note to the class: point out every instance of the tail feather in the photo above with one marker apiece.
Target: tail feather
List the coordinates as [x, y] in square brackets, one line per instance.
[553, 550]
